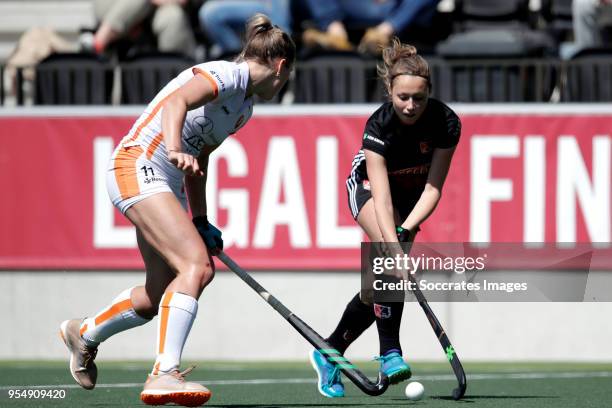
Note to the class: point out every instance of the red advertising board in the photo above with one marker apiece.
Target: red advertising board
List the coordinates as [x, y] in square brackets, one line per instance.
[277, 191]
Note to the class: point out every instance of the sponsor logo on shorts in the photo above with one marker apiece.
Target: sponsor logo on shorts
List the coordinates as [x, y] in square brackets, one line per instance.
[367, 136]
[150, 180]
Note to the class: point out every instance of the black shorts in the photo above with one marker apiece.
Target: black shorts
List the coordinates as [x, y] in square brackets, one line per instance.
[359, 193]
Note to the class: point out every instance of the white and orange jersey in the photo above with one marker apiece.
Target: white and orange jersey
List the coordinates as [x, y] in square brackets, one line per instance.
[207, 125]
[139, 166]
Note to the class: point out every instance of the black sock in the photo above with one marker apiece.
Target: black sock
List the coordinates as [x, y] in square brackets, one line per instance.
[388, 319]
[357, 317]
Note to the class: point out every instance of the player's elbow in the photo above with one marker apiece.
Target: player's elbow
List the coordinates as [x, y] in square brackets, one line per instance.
[175, 103]
[383, 204]
[433, 193]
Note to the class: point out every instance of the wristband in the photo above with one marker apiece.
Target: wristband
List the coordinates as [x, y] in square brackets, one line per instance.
[403, 234]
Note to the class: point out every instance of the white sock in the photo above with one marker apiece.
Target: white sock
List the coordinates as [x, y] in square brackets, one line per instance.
[117, 317]
[176, 315]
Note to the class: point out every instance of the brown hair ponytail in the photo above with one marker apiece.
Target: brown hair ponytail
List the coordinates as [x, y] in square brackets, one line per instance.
[265, 42]
[401, 59]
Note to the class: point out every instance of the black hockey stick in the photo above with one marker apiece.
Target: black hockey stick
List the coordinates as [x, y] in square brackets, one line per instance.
[357, 377]
[448, 348]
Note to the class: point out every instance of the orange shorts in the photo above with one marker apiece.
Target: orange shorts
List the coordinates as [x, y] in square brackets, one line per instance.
[132, 176]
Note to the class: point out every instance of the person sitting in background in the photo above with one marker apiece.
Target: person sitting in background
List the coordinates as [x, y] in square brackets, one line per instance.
[382, 19]
[34, 45]
[223, 21]
[170, 23]
[589, 16]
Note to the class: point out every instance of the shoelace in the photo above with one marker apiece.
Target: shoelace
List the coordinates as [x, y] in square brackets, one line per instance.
[89, 354]
[335, 375]
[384, 359]
[180, 375]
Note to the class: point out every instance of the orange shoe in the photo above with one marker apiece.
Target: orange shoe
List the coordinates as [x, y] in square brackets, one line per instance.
[171, 387]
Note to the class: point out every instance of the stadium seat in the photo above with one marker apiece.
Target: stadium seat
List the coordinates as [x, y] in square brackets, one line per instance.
[490, 56]
[498, 13]
[331, 79]
[494, 80]
[73, 79]
[494, 29]
[558, 17]
[142, 76]
[588, 76]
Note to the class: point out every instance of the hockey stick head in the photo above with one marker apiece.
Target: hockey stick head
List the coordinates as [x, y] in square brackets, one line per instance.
[382, 384]
[364, 384]
[459, 392]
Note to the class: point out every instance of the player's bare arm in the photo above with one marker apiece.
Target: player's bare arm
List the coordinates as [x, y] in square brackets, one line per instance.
[432, 193]
[196, 92]
[196, 185]
[381, 193]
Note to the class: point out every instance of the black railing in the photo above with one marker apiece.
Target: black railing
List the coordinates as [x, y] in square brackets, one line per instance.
[333, 80]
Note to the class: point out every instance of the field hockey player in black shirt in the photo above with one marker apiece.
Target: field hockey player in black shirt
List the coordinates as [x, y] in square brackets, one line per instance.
[395, 184]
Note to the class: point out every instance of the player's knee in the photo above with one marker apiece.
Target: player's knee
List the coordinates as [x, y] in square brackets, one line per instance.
[204, 273]
[149, 311]
[147, 306]
[200, 271]
[206, 279]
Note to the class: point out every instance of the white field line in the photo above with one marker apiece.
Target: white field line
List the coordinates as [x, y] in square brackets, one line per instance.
[433, 377]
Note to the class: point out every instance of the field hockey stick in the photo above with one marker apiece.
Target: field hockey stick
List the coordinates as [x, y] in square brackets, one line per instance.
[448, 348]
[333, 356]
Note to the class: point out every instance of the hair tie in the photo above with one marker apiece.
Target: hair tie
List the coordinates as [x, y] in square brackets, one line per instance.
[264, 27]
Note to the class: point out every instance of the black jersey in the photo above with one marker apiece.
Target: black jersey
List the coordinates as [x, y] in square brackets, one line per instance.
[407, 149]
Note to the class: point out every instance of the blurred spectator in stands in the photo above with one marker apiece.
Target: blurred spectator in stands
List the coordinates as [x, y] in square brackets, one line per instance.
[589, 18]
[223, 21]
[170, 23]
[33, 46]
[381, 20]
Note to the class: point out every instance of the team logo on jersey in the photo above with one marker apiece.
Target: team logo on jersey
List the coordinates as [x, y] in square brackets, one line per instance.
[366, 185]
[425, 147]
[367, 136]
[205, 124]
